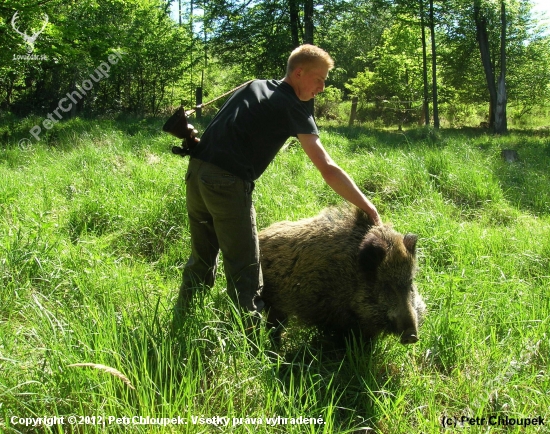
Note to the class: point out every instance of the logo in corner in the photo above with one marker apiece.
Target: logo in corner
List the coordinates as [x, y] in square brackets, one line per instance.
[29, 40]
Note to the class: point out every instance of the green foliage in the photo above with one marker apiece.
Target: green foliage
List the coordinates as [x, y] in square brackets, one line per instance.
[375, 44]
[78, 39]
[327, 103]
[398, 64]
[256, 36]
[93, 235]
[527, 75]
[394, 67]
[394, 83]
[350, 31]
[362, 85]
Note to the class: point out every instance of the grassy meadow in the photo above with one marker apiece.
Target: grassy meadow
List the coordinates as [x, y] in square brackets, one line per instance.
[93, 237]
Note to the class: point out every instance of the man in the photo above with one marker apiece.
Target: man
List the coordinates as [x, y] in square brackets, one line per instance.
[235, 149]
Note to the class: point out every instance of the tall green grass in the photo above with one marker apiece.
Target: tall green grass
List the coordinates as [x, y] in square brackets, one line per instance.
[93, 237]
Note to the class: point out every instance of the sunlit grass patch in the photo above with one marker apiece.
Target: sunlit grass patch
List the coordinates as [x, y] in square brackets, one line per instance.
[93, 236]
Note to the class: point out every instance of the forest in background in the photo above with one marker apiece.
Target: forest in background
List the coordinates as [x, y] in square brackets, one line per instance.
[383, 50]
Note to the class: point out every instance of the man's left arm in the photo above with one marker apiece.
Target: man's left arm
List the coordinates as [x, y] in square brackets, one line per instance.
[336, 177]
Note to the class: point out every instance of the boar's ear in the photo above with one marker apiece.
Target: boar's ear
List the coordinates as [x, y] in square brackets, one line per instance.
[410, 243]
[372, 252]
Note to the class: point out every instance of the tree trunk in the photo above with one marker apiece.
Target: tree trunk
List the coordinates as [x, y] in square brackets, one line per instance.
[353, 113]
[308, 39]
[434, 67]
[198, 102]
[483, 41]
[308, 22]
[501, 125]
[294, 22]
[73, 88]
[425, 103]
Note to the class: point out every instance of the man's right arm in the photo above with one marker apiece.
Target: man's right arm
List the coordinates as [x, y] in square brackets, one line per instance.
[336, 177]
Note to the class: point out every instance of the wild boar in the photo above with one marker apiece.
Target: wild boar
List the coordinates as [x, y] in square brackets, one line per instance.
[338, 272]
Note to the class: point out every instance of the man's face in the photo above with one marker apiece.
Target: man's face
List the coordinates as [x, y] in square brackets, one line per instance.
[310, 81]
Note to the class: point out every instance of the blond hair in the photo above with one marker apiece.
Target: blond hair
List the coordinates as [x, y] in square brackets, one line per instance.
[307, 56]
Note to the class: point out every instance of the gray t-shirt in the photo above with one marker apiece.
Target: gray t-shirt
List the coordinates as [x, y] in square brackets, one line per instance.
[252, 126]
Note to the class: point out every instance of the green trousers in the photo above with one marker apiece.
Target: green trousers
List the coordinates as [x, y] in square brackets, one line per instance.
[221, 217]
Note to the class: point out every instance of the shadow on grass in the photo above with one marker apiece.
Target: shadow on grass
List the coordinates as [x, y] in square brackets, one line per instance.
[309, 375]
[65, 134]
[524, 184]
[362, 137]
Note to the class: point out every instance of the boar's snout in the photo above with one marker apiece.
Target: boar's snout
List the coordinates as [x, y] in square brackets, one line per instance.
[405, 320]
[409, 338]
